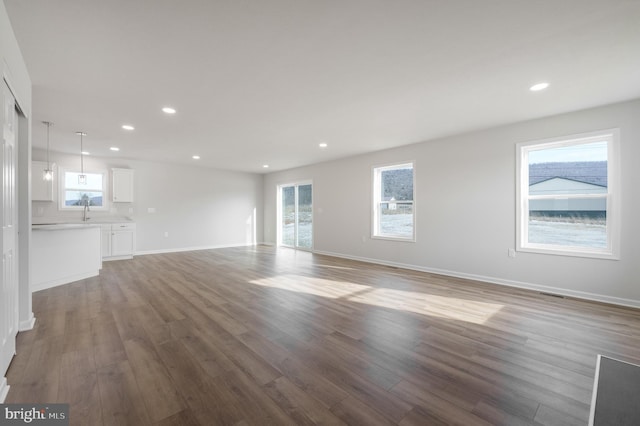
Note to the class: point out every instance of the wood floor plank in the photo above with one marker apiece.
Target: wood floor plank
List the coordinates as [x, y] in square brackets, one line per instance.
[78, 387]
[438, 407]
[183, 418]
[352, 411]
[261, 335]
[312, 382]
[300, 406]
[120, 396]
[106, 341]
[206, 401]
[41, 377]
[160, 395]
[258, 408]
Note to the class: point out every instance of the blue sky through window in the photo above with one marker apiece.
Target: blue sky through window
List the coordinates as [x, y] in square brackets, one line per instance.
[595, 151]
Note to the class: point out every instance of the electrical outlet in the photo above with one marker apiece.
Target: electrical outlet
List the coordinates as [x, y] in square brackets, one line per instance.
[151, 210]
[511, 252]
[166, 234]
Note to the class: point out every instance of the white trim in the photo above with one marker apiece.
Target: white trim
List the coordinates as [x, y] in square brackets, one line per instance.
[181, 249]
[594, 395]
[375, 200]
[612, 251]
[105, 189]
[493, 280]
[596, 379]
[4, 389]
[296, 185]
[27, 324]
[65, 280]
[124, 257]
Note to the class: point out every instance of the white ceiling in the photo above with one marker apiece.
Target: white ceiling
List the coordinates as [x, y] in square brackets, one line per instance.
[265, 81]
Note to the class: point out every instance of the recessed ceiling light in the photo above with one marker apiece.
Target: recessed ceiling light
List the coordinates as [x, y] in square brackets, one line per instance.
[322, 145]
[168, 110]
[538, 87]
[196, 157]
[85, 153]
[266, 166]
[114, 148]
[128, 127]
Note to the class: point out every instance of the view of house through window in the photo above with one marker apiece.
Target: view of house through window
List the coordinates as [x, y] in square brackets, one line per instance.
[565, 195]
[75, 194]
[393, 202]
[296, 216]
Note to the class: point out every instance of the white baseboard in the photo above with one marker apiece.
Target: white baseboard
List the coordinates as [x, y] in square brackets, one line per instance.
[4, 389]
[181, 249]
[28, 324]
[493, 280]
[65, 280]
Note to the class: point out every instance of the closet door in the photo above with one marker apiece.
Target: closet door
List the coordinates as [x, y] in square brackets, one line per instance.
[9, 294]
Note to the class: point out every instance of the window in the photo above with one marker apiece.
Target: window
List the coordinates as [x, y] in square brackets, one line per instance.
[73, 195]
[393, 202]
[568, 201]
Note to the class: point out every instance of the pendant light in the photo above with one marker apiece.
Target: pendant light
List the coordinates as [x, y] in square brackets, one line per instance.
[47, 174]
[82, 178]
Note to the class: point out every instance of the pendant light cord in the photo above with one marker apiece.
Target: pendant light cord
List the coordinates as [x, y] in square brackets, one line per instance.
[81, 156]
[48, 123]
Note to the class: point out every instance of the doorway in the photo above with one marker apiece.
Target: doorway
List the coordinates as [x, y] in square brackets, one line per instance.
[295, 215]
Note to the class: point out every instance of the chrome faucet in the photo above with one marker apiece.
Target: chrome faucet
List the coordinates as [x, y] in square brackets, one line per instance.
[85, 210]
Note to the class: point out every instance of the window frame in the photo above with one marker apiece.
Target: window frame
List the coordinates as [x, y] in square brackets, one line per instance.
[62, 189]
[612, 196]
[279, 213]
[376, 171]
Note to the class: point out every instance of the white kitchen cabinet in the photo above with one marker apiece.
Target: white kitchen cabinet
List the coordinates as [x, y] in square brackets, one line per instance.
[63, 253]
[122, 188]
[41, 190]
[118, 241]
[105, 241]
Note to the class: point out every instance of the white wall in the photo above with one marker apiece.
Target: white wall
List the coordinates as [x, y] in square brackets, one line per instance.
[465, 200]
[198, 207]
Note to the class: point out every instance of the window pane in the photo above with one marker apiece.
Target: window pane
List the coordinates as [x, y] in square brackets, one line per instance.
[574, 169]
[577, 222]
[393, 198]
[94, 181]
[77, 198]
[397, 184]
[305, 209]
[288, 215]
[396, 219]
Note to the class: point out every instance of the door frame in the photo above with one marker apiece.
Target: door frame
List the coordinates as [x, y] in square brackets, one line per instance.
[296, 184]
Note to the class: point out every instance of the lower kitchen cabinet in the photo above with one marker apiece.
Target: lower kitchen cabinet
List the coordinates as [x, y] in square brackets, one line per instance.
[118, 241]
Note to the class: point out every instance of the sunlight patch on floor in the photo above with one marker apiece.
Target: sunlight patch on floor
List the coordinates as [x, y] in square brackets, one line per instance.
[448, 307]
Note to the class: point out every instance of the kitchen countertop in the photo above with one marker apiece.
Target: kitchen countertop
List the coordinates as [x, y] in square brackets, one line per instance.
[61, 224]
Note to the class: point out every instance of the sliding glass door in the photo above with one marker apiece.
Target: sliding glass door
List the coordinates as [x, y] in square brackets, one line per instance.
[296, 216]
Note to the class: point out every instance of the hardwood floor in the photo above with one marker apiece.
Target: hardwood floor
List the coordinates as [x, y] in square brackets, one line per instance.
[255, 336]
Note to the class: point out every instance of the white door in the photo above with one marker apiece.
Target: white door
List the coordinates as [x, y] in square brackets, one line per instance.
[9, 295]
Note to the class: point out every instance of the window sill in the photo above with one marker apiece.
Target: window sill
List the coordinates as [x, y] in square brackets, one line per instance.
[400, 239]
[572, 253]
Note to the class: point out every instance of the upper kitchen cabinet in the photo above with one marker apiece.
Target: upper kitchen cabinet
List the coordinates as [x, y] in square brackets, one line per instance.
[41, 190]
[122, 185]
